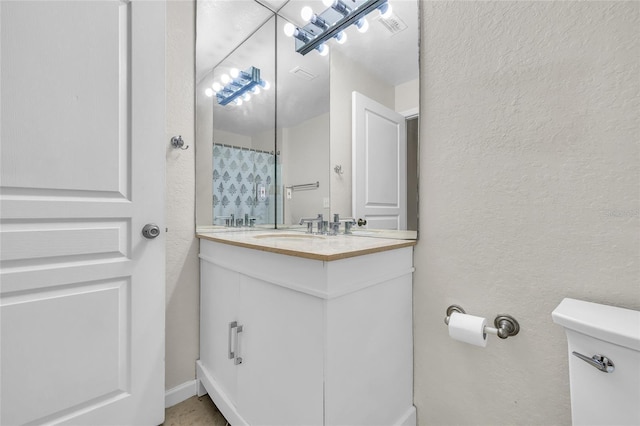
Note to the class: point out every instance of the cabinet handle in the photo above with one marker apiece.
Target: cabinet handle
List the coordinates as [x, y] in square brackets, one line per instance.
[238, 358]
[232, 325]
[234, 328]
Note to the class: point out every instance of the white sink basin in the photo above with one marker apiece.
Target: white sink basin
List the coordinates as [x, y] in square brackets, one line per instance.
[289, 237]
[364, 232]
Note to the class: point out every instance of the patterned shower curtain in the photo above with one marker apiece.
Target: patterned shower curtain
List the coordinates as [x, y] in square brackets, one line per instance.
[243, 184]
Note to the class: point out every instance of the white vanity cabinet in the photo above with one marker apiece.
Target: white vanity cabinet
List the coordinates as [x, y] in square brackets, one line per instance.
[277, 357]
[314, 342]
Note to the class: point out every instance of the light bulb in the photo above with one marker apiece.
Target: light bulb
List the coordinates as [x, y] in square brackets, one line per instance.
[306, 13]
[246, 97]
[256, 90]
[323, 49]
[225, 78]
[289, 29]
[338, 6]
[234, 72]
[385, 11]
[266, 85]
[362, 24]
[216, 87]
[341, 37]
[238, 101]
[208, 92]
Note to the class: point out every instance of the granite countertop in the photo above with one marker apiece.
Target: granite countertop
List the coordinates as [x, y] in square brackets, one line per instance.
[293, 243]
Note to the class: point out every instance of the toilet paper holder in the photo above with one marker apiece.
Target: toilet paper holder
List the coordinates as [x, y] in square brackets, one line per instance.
[505, 325]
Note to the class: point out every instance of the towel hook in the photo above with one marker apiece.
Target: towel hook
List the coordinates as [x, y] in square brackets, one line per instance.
[177, 142]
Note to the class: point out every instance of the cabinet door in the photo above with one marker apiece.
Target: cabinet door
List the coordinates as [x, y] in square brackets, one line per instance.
[218, 307]
[369, 364]
[280, 381]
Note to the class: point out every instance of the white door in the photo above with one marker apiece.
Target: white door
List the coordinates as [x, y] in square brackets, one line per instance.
[379, 160]
[82, 156]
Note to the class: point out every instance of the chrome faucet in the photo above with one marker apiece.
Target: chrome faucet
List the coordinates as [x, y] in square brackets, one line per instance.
[335, 225]
[232, 221]
[228, 220]
[348, 223]
[310, 222]
[328, 228]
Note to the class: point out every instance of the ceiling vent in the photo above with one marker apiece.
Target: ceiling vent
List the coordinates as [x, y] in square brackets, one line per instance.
[302, 73]
[393, 24]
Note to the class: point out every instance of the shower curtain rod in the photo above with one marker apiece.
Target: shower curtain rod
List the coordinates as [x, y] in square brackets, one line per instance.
[243, 148]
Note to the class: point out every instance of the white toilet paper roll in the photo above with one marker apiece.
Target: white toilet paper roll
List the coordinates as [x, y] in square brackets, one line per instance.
[468, 329]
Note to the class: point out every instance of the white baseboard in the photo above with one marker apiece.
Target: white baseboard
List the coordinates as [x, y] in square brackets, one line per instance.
[409, 418]
[180, 393]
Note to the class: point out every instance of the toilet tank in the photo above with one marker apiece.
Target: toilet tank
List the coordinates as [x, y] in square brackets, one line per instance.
[598, 397]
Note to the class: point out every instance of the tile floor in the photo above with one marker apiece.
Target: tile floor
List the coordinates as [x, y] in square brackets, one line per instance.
[194, 411]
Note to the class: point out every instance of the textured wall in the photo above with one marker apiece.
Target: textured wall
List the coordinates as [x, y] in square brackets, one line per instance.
[530, 176]
[182, 314]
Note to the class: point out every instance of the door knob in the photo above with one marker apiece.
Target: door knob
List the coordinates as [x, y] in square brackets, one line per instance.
[150, 231]
[362, 222]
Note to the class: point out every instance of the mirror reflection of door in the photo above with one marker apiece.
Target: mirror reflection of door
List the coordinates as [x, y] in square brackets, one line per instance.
[379, 164]
[381, 64]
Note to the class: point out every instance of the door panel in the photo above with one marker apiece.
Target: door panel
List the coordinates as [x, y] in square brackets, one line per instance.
[379, 164]
[82, 297]
[92, 350]
[56, 242]
[69, 82]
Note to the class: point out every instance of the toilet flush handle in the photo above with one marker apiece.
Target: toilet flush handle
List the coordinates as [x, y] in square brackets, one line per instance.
[600, 362]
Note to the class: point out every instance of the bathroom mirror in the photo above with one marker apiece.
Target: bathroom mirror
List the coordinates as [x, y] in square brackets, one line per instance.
[303, 129]
[235, 133]
[312, 117]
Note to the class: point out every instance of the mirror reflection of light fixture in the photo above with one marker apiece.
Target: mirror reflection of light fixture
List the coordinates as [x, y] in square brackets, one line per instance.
[238, 86]
[385, 11]
[362, 24]
[332, 22]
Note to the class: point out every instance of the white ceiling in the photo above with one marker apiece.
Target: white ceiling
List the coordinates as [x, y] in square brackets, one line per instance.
[227, 37]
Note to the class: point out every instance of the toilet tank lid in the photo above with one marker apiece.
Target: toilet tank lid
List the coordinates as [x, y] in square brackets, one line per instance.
[608, 323]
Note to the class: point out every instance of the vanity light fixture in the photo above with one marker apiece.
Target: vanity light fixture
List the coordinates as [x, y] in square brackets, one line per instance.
[332, 22]
[237, 86]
